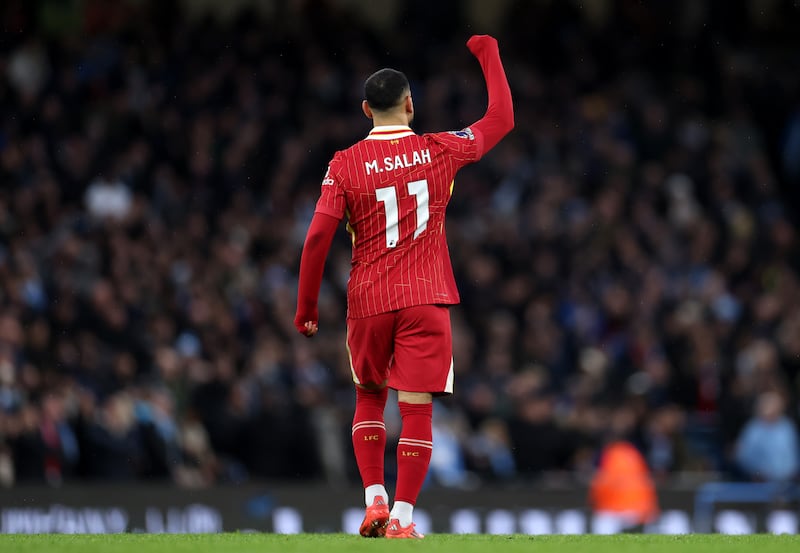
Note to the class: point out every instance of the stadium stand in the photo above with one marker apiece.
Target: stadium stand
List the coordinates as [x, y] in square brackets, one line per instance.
[628, 259]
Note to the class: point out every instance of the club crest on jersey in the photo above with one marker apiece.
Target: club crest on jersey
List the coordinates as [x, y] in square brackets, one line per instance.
[463, 133]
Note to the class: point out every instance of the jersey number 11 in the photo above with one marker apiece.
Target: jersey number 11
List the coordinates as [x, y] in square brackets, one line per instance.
[388, 196]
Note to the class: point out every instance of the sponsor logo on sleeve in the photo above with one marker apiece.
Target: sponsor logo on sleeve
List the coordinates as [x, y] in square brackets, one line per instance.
[464, 133]
[327, 180]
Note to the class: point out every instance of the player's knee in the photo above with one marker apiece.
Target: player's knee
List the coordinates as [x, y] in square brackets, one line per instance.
[414, 397]
[372, 386]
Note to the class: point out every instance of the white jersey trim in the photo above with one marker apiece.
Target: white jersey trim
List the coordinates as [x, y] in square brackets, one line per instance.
[389, 132]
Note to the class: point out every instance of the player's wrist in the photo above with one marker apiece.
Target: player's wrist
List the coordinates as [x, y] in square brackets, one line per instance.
[306, 314]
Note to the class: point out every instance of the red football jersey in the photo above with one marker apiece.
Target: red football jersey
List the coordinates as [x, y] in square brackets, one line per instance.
[394, 187]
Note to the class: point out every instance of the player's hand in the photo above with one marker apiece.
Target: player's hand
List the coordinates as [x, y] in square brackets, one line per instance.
[480, 43]
[308, 329]
[306, 318]
[305, 321]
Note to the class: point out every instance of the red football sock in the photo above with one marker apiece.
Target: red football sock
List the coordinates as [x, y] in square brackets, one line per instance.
[369, 434]
[413, 450]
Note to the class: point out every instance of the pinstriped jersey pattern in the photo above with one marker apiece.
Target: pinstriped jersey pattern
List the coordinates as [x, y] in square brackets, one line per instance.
[408, 264]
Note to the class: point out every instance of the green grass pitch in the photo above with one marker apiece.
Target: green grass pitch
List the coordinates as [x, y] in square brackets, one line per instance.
[438, 543]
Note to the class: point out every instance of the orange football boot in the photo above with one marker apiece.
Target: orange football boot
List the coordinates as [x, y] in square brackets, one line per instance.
[395, 531]
[375, 519]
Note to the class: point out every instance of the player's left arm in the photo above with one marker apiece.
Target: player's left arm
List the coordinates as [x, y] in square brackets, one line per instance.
[499, 117]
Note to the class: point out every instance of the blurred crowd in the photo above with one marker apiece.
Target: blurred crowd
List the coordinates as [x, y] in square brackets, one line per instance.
[628, 258]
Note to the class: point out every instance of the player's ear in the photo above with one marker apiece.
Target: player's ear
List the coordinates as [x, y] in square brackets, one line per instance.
[366, 109]
[409, 105]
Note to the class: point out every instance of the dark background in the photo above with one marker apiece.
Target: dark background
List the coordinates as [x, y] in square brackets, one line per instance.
[627, 257]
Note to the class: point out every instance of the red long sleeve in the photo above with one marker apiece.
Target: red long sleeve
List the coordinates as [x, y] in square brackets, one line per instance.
[312, 264]
[499, 117]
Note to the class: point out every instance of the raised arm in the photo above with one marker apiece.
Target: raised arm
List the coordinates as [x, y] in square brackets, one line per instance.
[499, 117]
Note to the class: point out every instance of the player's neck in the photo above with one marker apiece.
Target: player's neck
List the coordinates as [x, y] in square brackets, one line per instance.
[391, 120]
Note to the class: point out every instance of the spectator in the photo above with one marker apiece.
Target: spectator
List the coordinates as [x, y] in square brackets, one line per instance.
[112, 441]
[622, 487]
[489, 450]
[44, 445]
[768, 448]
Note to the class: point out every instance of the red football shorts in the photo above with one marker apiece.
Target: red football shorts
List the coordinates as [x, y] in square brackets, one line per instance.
[411, 349]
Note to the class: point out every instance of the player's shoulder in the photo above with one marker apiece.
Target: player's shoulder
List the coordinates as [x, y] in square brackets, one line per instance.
[339, 156]
[338, 162]
[350, 154]
[344, 160]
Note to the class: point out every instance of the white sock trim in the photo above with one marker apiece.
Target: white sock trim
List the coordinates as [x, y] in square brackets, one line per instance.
[373, 491]
[403, 512]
